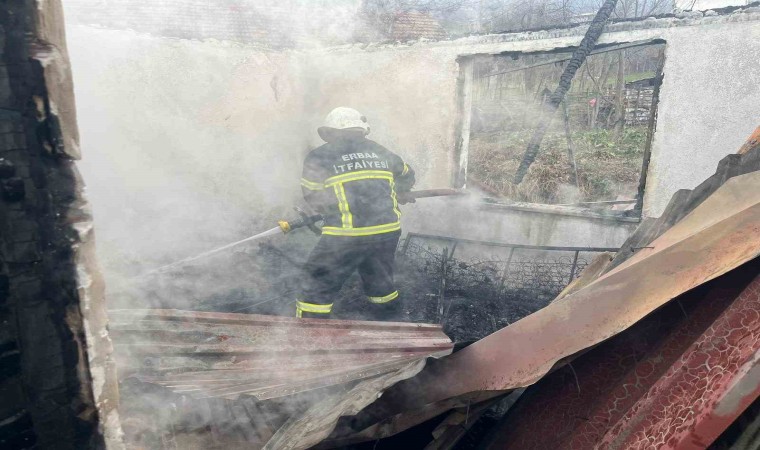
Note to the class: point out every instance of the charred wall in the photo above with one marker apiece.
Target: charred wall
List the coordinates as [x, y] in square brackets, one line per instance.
[54, 350]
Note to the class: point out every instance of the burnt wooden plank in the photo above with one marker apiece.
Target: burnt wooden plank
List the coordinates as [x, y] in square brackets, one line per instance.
[46, 383]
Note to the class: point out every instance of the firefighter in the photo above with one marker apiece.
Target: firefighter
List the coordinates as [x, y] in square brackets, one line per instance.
[353, 181]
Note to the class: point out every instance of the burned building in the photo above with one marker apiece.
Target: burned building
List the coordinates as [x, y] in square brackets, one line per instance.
[189, 142]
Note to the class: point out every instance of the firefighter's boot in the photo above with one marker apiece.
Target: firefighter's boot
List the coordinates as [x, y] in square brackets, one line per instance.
[388, 312]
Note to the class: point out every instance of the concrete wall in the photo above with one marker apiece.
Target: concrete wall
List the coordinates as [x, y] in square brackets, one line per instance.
[408, 93]
[264, 23]
[708, 106]
[189, 144]
[192, 144]
[466, 218]
[708, 103]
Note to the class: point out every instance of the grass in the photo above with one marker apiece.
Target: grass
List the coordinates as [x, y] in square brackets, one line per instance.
[630, 77]
[608, 166]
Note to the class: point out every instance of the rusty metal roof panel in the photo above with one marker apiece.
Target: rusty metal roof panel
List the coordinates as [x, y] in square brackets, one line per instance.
[752, 143]
[659, 381]
[718, 236]
[722, 233]
[225, 355]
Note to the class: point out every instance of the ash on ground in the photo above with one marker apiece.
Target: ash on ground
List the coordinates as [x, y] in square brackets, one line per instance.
[472, 296]
[472, 292]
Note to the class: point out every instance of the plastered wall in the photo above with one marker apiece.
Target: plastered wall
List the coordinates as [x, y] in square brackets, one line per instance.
[708, 106]
[708, 102]
[409, 95]
[192, 144]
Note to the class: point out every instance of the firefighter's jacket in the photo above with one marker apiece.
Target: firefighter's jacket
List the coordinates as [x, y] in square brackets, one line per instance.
[353, 184]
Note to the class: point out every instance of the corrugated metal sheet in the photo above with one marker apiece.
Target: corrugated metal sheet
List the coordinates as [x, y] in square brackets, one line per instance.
[653, 381]
[269, 357]
[715, 238]
[207, 354]
[704, 391]
[752, 143]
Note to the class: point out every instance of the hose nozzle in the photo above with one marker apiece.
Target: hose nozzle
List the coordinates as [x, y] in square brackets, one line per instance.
[304, 221]
[284, 226]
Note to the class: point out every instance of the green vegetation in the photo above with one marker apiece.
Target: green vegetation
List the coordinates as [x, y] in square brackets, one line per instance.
[608, 167]
[631, 77]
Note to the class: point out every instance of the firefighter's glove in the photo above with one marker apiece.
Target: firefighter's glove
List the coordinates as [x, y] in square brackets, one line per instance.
[405, 197]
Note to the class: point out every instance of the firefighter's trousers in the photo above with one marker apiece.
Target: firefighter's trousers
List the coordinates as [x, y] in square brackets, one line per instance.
[335, 258]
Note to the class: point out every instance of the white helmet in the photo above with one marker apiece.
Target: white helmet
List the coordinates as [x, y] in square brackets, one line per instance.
[342, 119]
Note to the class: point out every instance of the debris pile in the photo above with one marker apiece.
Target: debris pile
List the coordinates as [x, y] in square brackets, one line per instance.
[265, 373]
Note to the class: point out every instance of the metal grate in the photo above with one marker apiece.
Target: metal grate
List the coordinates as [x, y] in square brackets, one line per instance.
[526, 276]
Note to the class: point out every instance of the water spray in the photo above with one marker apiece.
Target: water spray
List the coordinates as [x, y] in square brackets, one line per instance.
[286, 226]
[283, 227]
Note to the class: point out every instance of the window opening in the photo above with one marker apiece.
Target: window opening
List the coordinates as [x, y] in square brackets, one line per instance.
[596, 151]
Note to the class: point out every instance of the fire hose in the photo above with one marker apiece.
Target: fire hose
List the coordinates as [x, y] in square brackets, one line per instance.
[310, 221]
[303, 220]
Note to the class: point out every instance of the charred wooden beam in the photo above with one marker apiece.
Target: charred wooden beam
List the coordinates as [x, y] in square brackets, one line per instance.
[576, 61]
[57, 382]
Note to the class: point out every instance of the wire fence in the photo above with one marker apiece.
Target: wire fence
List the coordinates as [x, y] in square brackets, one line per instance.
[471, 287]
[518, 278]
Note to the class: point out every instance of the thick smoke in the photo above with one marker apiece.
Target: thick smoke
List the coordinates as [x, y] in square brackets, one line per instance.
[190, 144]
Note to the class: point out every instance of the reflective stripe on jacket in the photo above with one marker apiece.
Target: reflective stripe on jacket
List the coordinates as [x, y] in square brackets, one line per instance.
[353, 184]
